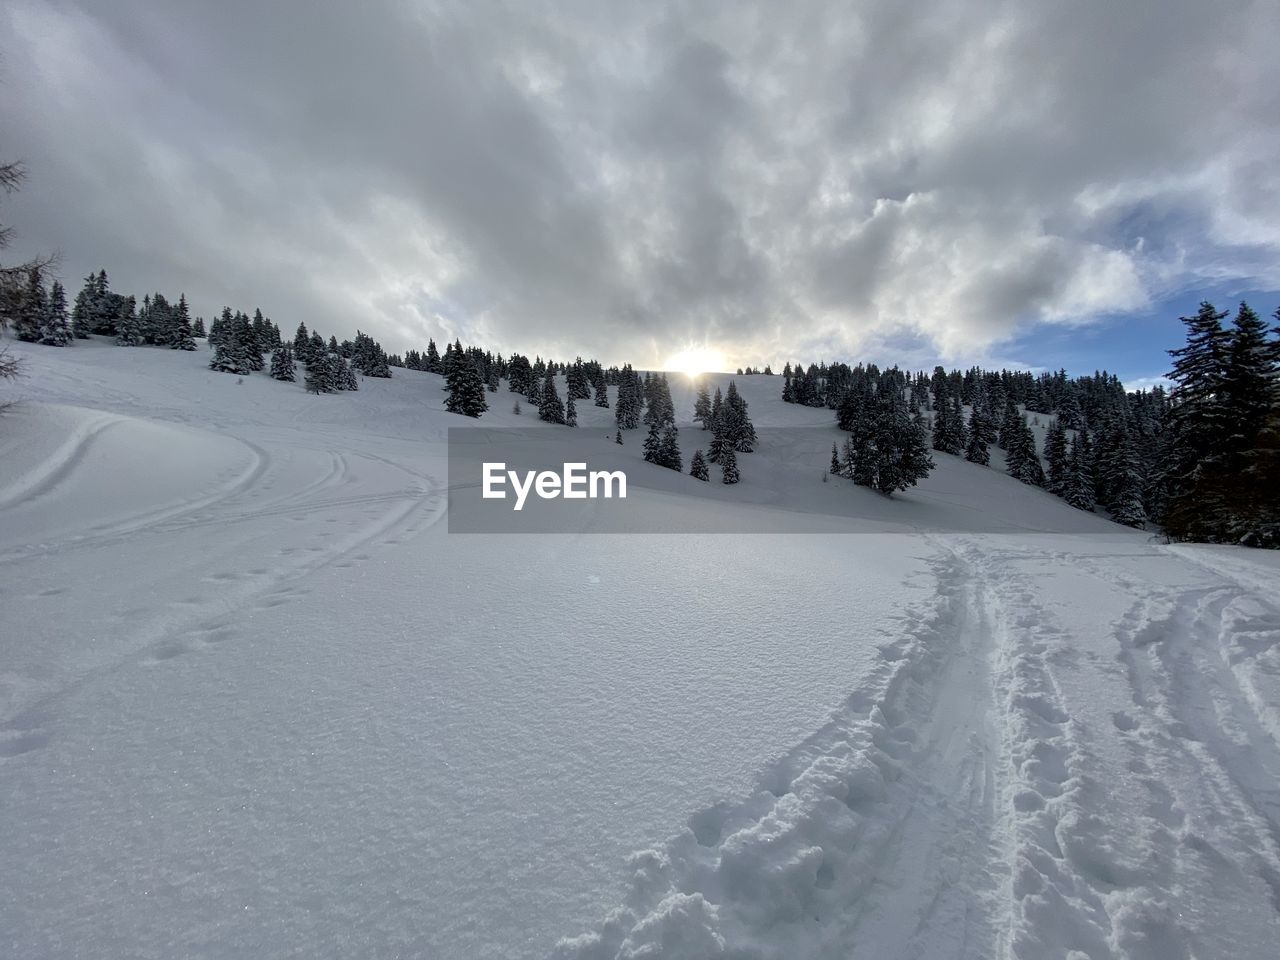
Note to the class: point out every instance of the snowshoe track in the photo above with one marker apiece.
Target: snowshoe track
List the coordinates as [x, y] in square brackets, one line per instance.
[960, 805]
[898, 790]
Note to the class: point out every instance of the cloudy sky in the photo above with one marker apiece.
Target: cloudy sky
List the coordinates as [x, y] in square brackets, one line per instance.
[952, 180]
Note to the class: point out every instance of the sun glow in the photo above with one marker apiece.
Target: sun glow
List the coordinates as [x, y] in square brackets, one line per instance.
[696, 360]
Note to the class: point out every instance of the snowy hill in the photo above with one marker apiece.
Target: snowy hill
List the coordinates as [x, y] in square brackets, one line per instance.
[255, 700]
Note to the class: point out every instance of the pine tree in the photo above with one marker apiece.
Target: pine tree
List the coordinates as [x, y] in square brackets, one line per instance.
[617, 438]
[1256, 483]
[220, 328]
[660, 409]
[602, 395]
[146, 321]
[302, 344]
[452, 356]
[128, 325]
[1069, 413]
[570, 414]
[32, 308]
[1198, 366]
[807, 389]
[626, 411]
[987, 420]
[577, 383]
[368, 357]
[719, 440]
[1106, 461]
[231, 356]
[855, 463]
[180, 334]
[901, 446]
[318, 376]
[282, 364]
[975, 448]
[887, 448]
[852, 407]
[85, 310]
[162, 328]
[241, 331]
[669, 449]
[1196, 472]
[702, 407]
[1248, 379]
[106, 306]
[337, 379]
[261, 333]
[466, 389]
[835, 460]
[516, 409]
[55, 331]
[653, 444]
[729, 465]
[552, 407]
[698, 466]
[948, 427]
[1022, 462]
[1010, 427]
[1078, 487]
[1126, 485]
[252, 341]
[349, 380]
[1055, 455]
[737, 427]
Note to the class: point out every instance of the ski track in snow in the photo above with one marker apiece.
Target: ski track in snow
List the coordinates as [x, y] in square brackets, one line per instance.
[248, 498]
[45, 477]
[857, 842]
[160, 520]
[958, 807]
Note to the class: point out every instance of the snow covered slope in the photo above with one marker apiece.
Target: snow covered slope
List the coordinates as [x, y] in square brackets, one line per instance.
[256, 701]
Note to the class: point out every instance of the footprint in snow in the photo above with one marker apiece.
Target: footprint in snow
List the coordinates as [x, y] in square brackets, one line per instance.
[1123, 721]
[13, 746]
[167, 651]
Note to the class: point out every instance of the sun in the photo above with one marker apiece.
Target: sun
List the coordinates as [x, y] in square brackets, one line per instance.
[695, 360]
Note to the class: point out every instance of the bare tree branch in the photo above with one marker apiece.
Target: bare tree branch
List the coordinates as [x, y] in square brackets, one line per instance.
[11, 176]
[10, 366]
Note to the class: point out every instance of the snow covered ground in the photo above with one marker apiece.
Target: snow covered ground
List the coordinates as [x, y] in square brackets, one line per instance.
[255, 701]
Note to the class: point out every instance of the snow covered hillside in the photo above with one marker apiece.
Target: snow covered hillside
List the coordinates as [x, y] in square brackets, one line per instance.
[256, 701]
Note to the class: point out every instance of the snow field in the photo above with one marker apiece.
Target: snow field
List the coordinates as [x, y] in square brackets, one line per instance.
[255, 701]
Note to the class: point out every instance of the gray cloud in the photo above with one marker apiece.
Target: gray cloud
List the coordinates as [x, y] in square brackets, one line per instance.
[623, 179]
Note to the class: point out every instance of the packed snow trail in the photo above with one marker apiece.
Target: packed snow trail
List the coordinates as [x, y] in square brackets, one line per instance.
[874, 838]
[255, 701]
[1074, 756]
